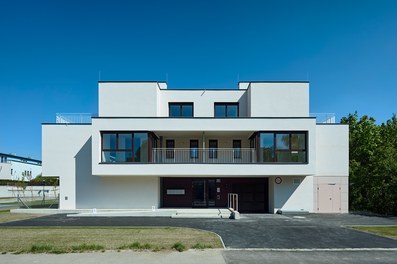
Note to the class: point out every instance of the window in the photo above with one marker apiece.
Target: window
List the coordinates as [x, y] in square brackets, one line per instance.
[213, 149]
[194, 148]
[226, 110]
[237, 149]
[170, 145]
[126, 146]
[283, 147]
[180, 109]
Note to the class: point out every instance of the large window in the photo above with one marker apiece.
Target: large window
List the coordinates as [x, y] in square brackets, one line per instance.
[226, 110]
[126, 146]
[180, 109]
[283, 147]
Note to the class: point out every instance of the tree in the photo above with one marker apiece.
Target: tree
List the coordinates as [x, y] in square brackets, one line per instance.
[372, 164]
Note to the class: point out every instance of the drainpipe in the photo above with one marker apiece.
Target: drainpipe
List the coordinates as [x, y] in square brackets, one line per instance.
[203, 142]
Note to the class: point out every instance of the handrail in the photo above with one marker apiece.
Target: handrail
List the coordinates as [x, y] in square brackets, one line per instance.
[232, 201]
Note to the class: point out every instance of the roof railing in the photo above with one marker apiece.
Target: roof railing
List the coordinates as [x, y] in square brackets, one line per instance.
[324, 118]
[73, 118]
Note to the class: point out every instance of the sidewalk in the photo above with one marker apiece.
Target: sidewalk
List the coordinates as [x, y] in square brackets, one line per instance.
[171, 257]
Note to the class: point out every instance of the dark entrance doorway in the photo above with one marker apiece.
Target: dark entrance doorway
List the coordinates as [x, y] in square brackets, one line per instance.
[253, 194]
[203, 193]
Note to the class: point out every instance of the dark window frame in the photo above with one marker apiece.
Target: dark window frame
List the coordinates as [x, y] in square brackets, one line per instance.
[275, 150]
[194, 152]
[151, 136]
[226, 104]
[237, 149]
[169, 150]
[213, 151]
[180, 104]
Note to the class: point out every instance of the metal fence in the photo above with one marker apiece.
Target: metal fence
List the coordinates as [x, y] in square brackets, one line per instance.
[201, 155]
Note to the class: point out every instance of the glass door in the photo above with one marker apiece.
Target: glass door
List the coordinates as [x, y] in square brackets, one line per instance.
[204, 193]
[211, 190]
[199, 193]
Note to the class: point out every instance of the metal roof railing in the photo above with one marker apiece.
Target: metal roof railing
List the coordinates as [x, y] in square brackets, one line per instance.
[324, 118]
[73, 118]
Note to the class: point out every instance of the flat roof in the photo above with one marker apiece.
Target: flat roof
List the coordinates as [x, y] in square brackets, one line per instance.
[19, 157]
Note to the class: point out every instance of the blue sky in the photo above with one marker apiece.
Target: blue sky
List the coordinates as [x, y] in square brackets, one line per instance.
[52, 53]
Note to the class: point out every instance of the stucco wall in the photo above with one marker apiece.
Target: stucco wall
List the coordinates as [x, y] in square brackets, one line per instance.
[128, 99]
[293, 197]
[332, 150]
[146, 99]
[203, 100]
[67, 154]
[60, 146]
[279, 99]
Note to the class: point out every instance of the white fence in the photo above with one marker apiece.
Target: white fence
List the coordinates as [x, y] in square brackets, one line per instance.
[30, 191]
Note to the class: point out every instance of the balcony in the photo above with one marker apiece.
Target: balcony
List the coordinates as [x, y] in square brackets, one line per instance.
[204, 155]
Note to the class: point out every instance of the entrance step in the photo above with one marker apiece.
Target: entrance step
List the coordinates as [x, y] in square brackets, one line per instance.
[202, 213]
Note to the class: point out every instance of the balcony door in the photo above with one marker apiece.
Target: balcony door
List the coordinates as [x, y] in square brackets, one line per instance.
[204, 193]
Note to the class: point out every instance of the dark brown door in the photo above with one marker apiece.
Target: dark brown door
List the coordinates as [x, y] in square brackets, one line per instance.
[204, 193]
[199, 193]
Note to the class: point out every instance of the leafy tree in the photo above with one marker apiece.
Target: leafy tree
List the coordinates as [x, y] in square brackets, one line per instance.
[373, 164]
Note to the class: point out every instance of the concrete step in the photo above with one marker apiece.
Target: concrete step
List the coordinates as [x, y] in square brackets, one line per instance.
[202, 213]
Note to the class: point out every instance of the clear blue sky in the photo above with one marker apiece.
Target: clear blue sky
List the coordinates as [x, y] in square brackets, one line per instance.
[51, 53]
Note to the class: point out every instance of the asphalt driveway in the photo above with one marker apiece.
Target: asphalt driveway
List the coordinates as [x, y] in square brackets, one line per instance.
[311, 231]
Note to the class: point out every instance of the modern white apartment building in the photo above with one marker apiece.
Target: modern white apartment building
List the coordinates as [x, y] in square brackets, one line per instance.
[172, 148]
[13, 167]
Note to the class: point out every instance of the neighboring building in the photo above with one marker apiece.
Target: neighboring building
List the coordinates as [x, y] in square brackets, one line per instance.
[14, 167]
[154, 146]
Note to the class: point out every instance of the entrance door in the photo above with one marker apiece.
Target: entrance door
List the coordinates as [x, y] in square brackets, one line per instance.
[204, 193]
[211, 191]
[199, 193]
[328, 198]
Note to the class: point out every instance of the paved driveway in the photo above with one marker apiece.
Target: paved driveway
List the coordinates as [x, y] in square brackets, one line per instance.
[253, 231]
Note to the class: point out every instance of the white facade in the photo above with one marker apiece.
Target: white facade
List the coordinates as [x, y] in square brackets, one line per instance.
[97, 171]
[18, 168]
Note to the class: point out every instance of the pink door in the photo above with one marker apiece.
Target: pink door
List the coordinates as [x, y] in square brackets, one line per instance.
[328, 198]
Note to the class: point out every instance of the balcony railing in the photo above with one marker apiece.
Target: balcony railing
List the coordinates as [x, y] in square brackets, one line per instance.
[73, 118]
[203, 155]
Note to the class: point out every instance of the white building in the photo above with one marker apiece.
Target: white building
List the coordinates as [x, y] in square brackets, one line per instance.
[154, 146]
[13, 167]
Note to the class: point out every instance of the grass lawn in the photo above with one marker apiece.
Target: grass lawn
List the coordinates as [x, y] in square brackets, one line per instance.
[6, 216]
[388, 231]
[81, 239]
